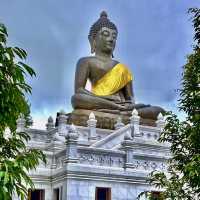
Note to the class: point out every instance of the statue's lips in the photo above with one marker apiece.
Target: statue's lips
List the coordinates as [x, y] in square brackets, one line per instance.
[110, 45]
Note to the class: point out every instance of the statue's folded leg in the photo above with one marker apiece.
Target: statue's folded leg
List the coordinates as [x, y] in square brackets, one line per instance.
[84, 101]
[150, 112]
[109, 111]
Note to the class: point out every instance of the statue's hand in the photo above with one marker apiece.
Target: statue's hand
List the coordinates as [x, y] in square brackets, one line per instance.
[131, 106]
[127, 105]
[84, 91]
[112, 98]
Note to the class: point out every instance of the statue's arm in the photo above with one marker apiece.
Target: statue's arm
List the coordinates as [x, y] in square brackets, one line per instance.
[81, 76]
[129, 94]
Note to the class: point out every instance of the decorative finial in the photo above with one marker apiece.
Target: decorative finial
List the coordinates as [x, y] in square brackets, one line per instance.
[135, 122]
[91, 116]
[50, 124]
[62, 112]
[50, 120]
[92, 122]
[135, 112]
[160, 116]
[103, 14]
[160, 121]
[119, 124]
[62, 122]
[72, 133]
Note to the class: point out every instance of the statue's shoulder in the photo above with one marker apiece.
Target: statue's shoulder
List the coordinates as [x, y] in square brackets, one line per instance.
[85, 61]
[115, 61]
[124, 64]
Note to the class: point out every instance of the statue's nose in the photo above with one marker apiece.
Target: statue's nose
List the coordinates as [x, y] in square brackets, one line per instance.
[111, 40]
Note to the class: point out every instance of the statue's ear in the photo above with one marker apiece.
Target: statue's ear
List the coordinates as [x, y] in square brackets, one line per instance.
[92, 44]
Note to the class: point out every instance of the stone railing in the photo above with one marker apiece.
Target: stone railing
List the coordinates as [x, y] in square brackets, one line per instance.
[143, 156]
[147, 165]
[133, 153]
[127, 158]
[149, 133]
[38, 135]
[101, 157]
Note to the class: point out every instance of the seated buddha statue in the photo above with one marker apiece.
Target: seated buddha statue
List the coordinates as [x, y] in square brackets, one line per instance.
[111, 80]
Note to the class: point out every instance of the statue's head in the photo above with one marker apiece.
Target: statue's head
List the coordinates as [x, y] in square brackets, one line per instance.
[103, 35]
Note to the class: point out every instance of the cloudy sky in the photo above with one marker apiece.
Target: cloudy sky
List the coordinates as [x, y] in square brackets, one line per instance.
[154, 38]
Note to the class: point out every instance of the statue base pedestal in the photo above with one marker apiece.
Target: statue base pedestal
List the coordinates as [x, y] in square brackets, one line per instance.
[80, 117]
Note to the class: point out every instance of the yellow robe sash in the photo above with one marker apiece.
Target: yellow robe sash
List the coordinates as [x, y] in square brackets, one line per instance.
[112, 81]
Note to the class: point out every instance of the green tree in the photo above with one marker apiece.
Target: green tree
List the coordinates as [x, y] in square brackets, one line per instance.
[182, 180]
[15, 158]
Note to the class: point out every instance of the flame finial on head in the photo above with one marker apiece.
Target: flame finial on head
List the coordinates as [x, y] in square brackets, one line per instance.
[103, 14]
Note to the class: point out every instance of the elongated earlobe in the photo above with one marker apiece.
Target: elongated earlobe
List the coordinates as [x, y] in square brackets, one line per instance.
[93, 46]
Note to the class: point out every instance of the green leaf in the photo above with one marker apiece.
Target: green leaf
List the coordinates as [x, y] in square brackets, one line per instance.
[28, 69]
[15, 158]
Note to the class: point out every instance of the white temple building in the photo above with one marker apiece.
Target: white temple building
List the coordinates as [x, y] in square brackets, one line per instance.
[88, 163]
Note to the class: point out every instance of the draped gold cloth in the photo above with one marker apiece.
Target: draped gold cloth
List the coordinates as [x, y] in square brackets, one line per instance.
[112, 81]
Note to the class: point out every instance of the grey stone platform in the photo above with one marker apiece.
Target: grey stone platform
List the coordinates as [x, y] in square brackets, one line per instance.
[79, 117]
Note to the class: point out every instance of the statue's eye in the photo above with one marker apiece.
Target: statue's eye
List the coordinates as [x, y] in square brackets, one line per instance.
[105, 33]
[114, 36]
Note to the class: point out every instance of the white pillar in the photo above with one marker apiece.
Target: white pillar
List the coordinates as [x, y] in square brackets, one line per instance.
[92, 122]
[50, 124]
[119, 123]
[71, 145]
[135, 122]
[62, 123]
[160, 121]
[126, 146]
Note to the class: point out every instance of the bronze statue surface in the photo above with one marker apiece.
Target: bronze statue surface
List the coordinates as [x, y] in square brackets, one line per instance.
[101, 70]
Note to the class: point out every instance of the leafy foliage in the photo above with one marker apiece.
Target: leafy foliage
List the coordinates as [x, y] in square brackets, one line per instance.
[183, 178]
[15, 158]
[151, 195]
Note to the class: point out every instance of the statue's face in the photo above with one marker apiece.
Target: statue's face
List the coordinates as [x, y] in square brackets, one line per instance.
[106, 40]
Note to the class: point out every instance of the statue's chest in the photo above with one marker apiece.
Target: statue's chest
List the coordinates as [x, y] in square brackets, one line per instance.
[99, 70]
